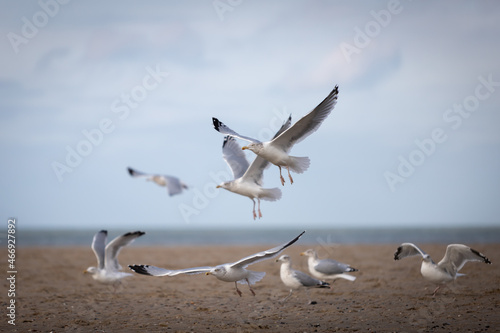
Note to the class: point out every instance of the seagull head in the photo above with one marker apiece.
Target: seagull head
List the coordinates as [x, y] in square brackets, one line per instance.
[90, 270]
[309, 253]
[284, 258]
[218, 271]
[256, 147]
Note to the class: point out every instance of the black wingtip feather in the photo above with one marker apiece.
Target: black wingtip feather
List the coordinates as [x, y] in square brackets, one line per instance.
[140, 269]
[130, 171]
[216, 123]
[486, 260]
[396, 254]
[138, 233]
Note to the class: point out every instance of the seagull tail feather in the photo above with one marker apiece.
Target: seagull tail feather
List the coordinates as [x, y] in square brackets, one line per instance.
[299, 164]
[271, 194]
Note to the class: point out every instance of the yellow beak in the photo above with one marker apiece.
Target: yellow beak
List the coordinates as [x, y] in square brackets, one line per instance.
[244, 147]
[208, 273]
[302, 254]
[218, 186]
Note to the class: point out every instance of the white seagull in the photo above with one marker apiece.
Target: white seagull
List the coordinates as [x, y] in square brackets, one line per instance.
[447, 269]
[108, 268]
[276, 150]
[294, 279]
[231, 272]
[327, 269]
[173, 184]
[248, 177]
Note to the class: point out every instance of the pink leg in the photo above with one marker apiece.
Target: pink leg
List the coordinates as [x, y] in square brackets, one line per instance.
[289, 175]
[253, 292]
[435, 291]
[254, 215]
[237, 290]
[260, 214]
[281, 177]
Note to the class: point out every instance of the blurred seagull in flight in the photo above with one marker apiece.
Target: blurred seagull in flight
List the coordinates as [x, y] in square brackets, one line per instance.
[173, 184]
[248, 178]
[327, 269]
[276, 150]
[294, 279]
[231, 272]
[447, 269]
[108, 268]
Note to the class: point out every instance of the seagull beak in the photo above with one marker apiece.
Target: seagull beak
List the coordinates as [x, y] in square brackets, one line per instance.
[218, 186]
[244, 147]
[85, 272]
[208, 273]
[302, 254]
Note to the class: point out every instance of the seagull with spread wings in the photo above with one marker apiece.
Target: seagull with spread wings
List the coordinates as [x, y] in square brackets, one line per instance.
[447, 269]
[173, 184]
[108, 269]
[276, 150]
[248, 177]
[232, 272]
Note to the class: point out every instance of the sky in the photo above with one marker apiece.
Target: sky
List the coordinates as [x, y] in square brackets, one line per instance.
[90, 88]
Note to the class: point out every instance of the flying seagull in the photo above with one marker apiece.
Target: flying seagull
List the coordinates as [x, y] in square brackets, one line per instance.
[447, 269]
[108, 268]
[231, 272]
[294, 279]
[173, 184]
[248, 178]
[276, 150]
[327, 269]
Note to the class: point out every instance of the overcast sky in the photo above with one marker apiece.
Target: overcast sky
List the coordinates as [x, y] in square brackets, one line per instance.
[89, 88]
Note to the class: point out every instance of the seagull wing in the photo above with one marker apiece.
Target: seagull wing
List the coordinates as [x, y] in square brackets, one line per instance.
[264, 255]
[308, 281]
[157, 271]
[221, 128]
[458, 254]
[234, 156]
[259, 164]
[99, 246]
[330, 266]
[174, 185]
[135, 173]
[408, 250]
[307, 124]
[114, 247]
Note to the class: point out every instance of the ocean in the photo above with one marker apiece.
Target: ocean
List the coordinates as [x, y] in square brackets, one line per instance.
[165, 237]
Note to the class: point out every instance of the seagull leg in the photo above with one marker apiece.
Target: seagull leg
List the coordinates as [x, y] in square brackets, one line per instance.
[289, 175]
[309, 298]
[281, 177]
[254, 215]
[237, 290]
[435, 291]
[260, 214]
[253, 292]
[290, 294]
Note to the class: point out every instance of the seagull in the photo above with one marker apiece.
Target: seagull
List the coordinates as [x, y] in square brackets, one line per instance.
[231, 272]
[276, 150]
[108, 268]
[173, 184]
[294, 279]
[327, 269]
[248, 178]
[447, 269]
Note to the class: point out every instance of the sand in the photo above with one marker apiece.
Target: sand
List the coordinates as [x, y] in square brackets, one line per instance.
[53, 294]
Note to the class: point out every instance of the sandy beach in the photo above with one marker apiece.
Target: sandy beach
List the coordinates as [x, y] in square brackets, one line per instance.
[53, 294]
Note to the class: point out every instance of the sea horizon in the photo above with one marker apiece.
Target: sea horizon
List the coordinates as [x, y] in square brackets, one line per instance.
[255, 236]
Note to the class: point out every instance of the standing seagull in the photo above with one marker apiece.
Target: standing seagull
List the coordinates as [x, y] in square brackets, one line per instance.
[108, 268]
[276, 150]
[447, 269]
[327, 269]
[173, 184]
[232, 272]
[294, 279]
[248, 178]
